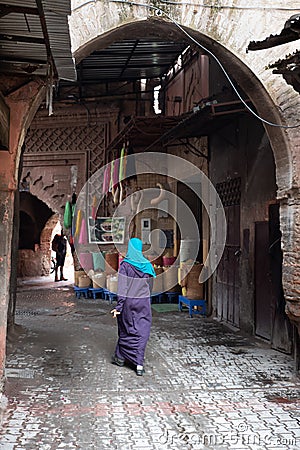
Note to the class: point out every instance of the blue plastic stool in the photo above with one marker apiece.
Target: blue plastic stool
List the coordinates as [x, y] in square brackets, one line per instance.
[81, 292]
[172, 296]
[108, 295]
[190, 304]
[157, 297]
[112, 296]
[95, 291]
[105, 294]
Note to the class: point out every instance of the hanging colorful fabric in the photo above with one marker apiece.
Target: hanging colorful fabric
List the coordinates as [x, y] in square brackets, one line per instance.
[106, 179]
[86, 261]
[68, 216]
[83, 238]
[115, 189]
[115, 179]
[78, 223]
[121, 173]
[94, 207]
[111, 175]
[73, 208]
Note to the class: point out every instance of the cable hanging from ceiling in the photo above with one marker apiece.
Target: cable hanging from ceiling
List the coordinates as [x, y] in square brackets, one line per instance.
[202, 5]
[234, 7]
[160, 11]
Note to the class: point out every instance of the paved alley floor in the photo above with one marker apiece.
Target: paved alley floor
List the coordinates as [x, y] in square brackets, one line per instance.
[205, 387]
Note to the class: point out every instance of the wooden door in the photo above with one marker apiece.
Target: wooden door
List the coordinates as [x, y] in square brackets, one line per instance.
[228, 274]
[271, 322]
[264, 308]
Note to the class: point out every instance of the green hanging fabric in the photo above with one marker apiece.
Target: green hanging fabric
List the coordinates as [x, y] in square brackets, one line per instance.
[68, 216]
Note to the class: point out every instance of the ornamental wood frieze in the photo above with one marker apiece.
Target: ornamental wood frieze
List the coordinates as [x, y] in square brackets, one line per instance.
[68, 139]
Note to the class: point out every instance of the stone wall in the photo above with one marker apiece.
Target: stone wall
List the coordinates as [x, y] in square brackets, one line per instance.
[37, 262]
[72, 144]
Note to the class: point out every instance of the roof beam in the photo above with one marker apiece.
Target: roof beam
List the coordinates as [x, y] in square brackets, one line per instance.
[7, 9]
[15, 38]
[46, 35]
[129, 57]
[130, 66]
[20, 60]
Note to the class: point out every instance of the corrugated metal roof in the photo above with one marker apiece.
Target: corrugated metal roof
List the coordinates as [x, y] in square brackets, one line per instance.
[25, 47]
[21, 3]
[130, 60]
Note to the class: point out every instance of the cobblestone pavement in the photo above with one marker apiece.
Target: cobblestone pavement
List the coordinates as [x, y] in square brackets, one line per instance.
[205, 387]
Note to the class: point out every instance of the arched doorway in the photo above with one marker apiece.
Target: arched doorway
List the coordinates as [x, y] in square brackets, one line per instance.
[238, 146]
[38, 225]
[34, 214]
[225, 31]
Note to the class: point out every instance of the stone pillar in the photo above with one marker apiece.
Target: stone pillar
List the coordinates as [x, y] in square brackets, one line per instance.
[6, 221]
[23, 102]
[290, 226]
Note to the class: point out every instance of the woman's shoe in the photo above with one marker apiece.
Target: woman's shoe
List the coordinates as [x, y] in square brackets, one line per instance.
[117, 361]
[140, 371]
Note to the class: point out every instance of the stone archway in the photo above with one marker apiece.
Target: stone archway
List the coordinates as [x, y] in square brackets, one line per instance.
[226, 32]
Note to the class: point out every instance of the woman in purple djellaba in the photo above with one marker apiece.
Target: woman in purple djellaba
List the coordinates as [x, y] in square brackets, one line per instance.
[133, 310]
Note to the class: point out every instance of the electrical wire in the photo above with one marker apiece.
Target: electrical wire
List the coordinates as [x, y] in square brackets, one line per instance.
[213, 56]
[242, 8]
[201, 5]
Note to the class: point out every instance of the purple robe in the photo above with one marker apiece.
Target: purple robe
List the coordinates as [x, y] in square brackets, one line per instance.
[134, 322]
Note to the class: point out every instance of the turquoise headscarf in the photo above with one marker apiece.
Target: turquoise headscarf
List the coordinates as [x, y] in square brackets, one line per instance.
[136, 258]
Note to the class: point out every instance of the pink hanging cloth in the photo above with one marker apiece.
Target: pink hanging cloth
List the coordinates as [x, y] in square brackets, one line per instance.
[86, 261]
[115, 179]
[83, 237]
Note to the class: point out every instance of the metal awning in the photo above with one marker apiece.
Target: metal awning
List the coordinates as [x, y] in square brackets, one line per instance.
[143, 131]
[152, 133]
[34, 35]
